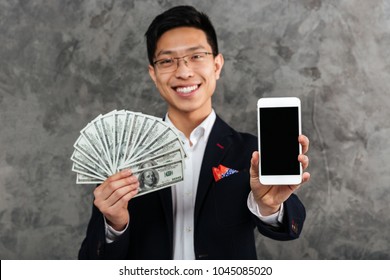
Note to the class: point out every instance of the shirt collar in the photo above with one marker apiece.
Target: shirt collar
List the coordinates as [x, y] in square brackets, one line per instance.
[202, 131]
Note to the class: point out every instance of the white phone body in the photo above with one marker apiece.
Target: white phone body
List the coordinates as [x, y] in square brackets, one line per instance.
[279, 125]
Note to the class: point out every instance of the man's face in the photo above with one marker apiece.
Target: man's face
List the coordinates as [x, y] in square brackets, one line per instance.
[187, 89]
[149, 178]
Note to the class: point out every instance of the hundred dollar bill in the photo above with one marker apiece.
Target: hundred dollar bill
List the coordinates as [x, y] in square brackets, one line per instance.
[84, 179]
[120, 122]
[134, 133]
[79, 168]
[108, 133]
[84, 154]
[156, 129]
[163, 148]
[156, 177]
[104, 141]
[172, 127]
[125, 137]
[92, 136]
[150, 160]
[165, 137]
[149, 128]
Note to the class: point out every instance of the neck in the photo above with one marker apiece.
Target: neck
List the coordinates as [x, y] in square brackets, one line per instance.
[186, 122]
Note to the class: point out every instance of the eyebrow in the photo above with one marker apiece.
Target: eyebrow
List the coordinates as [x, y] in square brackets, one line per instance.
[169, 52]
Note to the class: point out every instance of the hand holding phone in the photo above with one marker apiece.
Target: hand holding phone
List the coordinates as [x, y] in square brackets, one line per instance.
[279, 125]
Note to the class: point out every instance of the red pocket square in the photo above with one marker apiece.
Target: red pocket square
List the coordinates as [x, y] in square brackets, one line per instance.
[222, 172]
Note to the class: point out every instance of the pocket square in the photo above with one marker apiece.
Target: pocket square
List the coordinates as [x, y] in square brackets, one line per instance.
[222, 172]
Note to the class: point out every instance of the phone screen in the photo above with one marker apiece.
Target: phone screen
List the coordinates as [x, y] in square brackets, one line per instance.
[279, 147]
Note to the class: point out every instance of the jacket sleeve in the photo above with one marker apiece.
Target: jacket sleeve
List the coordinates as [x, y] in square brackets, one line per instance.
[94, 246]
[293, 219]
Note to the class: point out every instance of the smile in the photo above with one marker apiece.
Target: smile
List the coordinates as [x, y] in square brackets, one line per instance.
[186, 90]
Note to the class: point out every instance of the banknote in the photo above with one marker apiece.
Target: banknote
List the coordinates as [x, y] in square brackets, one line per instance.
[155, 177]
[86, 179]
[155, 159]
[122, 139]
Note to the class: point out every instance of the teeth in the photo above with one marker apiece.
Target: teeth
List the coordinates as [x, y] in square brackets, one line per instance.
[186, 89]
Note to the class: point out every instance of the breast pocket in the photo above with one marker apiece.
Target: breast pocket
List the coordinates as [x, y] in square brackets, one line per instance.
[231, 194]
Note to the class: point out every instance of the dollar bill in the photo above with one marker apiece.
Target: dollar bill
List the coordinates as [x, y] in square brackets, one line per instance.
[171, 145]
[85, 157]
[85, 179]
[125, 138]
[121, 139]
[104, 141]
[158, 159]
[81, 169]
[121, 120]
[156, 177]
[134, 135]
[108, 132]
[92, 138]
[149, 128]
[165, 137]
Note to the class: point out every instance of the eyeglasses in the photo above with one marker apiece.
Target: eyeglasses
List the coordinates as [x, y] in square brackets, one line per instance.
[194, 60]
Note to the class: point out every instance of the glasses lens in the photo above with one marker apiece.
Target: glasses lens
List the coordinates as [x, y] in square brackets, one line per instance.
[166, 64]
[191, 60]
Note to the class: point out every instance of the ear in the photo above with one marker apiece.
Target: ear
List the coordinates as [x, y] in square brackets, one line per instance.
[218, 62]
[152, 73]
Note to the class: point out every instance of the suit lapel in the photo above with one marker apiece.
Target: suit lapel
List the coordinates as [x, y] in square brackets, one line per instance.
[166, 201]
[217, 146]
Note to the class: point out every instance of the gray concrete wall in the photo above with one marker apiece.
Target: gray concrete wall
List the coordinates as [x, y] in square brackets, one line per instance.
[64, 62]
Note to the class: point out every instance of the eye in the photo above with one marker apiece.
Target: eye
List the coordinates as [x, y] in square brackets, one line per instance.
[165, 62]
[197, 57]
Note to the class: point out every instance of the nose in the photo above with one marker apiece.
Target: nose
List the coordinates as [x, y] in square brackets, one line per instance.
[181, 58]
[183, 70]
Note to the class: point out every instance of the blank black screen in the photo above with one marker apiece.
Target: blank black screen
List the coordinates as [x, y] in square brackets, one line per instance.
[279, 147]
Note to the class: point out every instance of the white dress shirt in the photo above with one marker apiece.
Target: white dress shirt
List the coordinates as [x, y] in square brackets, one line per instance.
[184, 193]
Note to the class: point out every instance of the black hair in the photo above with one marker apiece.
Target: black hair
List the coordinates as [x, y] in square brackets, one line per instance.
[179, 16]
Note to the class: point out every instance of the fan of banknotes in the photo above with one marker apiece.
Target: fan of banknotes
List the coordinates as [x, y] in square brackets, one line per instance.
[118, 140]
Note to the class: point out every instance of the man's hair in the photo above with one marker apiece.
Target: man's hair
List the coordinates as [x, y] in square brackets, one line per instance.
[179, 16]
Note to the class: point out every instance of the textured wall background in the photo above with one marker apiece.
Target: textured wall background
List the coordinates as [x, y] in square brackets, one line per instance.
[64, 62]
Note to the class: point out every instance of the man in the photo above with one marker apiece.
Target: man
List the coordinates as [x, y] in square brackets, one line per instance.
[201, 217]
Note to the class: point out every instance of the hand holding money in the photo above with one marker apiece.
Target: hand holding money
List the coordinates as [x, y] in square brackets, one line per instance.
[148, 146]
[113, 195]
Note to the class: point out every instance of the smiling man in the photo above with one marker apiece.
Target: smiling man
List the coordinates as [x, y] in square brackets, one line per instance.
[185, 70]
[209, 215]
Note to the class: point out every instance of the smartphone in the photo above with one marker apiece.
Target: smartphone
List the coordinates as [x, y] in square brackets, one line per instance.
[279, 125]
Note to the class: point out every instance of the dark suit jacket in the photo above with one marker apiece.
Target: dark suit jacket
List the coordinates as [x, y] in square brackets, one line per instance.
[223, 225]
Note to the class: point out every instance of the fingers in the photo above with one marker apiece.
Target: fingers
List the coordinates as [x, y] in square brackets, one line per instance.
[122, 194]
[304, 141]
[254, 171]
[120, 186]
[113, 195]
[305, 177]
[104, 189]
[115, 207]
[304, 160]
[117, 176]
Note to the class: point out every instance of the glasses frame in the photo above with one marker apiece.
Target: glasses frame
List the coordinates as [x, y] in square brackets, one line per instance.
[184, 58]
